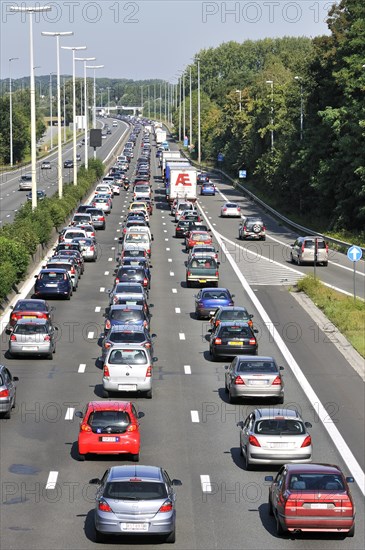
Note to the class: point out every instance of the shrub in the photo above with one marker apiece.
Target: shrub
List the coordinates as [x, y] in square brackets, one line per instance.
[15, 253]
[7, 278]
[23, 232]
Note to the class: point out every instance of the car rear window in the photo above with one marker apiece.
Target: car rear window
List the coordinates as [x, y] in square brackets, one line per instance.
[59, 265]
[125, 315]
[136, 238]
[204, 263]
[128, 337]
[308, 243]
[30, 329]
[135, 490]
[214, 295]
[130, 272]
[279, 426]
[314, 481]
[109, 421]
[256, 366]
[129, 289]
[234, 332]
[73, 234]
[128, 357]
[30, 306]
[230, 315]
[52, 277]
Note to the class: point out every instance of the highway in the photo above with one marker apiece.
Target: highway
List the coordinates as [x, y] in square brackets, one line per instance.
[189, 428]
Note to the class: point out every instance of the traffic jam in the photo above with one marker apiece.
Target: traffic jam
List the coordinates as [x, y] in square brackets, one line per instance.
[131, 498]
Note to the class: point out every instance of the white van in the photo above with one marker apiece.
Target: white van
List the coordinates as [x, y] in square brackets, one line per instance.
[128, 369]
[135, 239]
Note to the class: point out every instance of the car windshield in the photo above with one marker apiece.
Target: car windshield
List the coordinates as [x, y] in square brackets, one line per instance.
[231, 205]
[128, 337]
[214, 295]
[277, 426]
[128, 357]
[234, 332]
[102, 421]
[256, 366]
[30, 306]
[204, 263]
[52, 277]
[30, 329]
[73, 234]
[135, 490]
[126, 315]
[316, 482]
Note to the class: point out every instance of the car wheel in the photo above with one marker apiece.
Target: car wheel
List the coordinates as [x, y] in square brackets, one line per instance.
[226, 387]
[81, 457]
[105, 393]
[212, 355]
[149, 394]
[231, 398]
[248, 466]
[269, 504]
[171, 537]
[7, 415]
[325, 264]
[135, 457]
[279, 529]
[351, 533]
[241, 452]
[188, 284]
[50, 356]
[263, 238]
[280, 400]
[68, 297]
[298, 261]
[99, 537]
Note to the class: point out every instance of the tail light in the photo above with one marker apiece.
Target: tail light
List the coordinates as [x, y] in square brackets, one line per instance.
[149, 372]
[327, 248]
[244, 228]
[238, 381]
[92, 248]
[107, 324]
[47, 338]
[85, 428]
[13, 338]
[101, 218]
[166, 507]
[145, 281]
[4, 393]
[149, 251]
[224, 209]
[264, 228]
[239, 209]
[217, 273]
[252, 341]
[147, 345]
[307, 441]
[107, 345]
[104, 506]
[106, 372]
[253, 441]
[132, 428]
[115, 299]
[117, 280]
[277, 381]
[303, 247]
[250, 323]
[189, 273]
[218, 341]
[72, 270]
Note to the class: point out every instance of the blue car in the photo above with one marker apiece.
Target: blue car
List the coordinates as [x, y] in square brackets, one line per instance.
[53, 282]
[208, 300]
[207, 188]
[125, 314]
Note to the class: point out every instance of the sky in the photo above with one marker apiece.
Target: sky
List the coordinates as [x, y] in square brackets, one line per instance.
[145, 39]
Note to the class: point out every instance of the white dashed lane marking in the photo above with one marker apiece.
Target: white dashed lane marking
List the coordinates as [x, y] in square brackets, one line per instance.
[172, 273]
[69, 413]
[174, 290]
[106, 272]
[205, 483]
[102, 289]
[194, 416]
[82, 367]
[52, 480]
[90, 335]
[177, 310]
[181, 336]
[187, 369]
[97, 309]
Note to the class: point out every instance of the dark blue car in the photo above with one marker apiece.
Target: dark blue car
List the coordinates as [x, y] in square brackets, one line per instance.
[208, 300]
[123, 314]
[53, 282]
[207, 188]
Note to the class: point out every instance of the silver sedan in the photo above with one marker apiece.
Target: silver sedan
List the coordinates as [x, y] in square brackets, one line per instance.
[33, 337]
[230, 210]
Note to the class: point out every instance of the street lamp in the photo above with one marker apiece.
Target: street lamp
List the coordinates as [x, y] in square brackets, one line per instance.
[190, 112]
[59, 128]
[271, 82]
[86, 113]
[11, 110]
[299, 79]
[184, 108]
[240, 104]
[31, 10]
[94, 111]
[108, 88]
[199, 126]
[50, 107]
[142, 99]
[74, 125]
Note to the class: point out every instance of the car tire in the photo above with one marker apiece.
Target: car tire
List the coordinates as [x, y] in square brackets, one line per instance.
[280, 400]
[241, 452]
[248, 466]
[188, 284]
[298, 261]
[212, 355]
[135, 457]
[105, 393]
[351, 533]
[171, 537]
[99, 537]
[226, 390]
[148, 394]
[81, 457]
[279, 528]
[291, 258]
[263, 238]
[7, 415]
[325, 264]
[270, 508]
[231, 398]
[50, 356]
[68, 297]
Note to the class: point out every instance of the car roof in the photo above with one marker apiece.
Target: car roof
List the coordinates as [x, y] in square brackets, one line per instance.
[125, 306]
[231, 308]
[216, 289]
[129, 328]
[275, 412]
[30, 300]
[109, 405]
[56, 270]
[233, 324]
[256, 358]
[319, 468]
[150, 473]
[37, 321]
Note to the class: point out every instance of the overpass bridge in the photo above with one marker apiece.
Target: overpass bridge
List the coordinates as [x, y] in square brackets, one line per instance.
[107, 110]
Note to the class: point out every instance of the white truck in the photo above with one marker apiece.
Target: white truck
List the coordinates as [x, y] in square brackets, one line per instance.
[182, 183]
[160, 136]
[167, 156]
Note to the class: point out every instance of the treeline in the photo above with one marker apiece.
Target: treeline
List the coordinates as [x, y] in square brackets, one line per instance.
[319, 172]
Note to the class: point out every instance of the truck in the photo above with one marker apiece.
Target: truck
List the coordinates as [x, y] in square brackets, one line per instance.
[168, 155]
[202, 270]
[160, 136]
[181, 183]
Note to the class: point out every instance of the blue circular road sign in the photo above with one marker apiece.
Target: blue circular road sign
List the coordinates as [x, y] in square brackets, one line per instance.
[354, 253]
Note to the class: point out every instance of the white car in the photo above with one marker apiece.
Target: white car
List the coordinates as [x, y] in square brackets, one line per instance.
[203, 250]
[231, 210]
[140, 229]
[141, 191]
[71, 234]
[116, 188]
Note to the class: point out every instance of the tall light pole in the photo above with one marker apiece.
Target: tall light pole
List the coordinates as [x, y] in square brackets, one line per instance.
[59, 127]
[199, 125]
[64, 110]
[94, 108]
[240, 104]
[299, 79]
[74, 125]
[184, 109]
[190, 111]
[86, 112]
[50, 107]
[11, 111]
[154, 100]
[148, 101]
[142, 99]
[31, 10]
[271, 82]
[108, 88]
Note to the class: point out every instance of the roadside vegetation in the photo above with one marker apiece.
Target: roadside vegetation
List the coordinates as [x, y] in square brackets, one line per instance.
[346, 314]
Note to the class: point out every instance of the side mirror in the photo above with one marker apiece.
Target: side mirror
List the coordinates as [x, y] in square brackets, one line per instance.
[95, 481]
[154, 359]
[251, 315]
[226, 367]
[153, 335]
[79, 414]
[350, 479]
[108, 291]
[307, 424]
[239, 424]
[255, 330]
[56, 328]
[281, 368]
[176, 482]
[35, 276]
[15, 379]
[210, 330]
[269, 478]
[140, 414]
[233, 295]
[151, 305]
[218, 264]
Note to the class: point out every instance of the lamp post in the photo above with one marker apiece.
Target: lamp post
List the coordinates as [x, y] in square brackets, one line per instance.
[11, 111]
[108, 88]
[190, 111]
[50, 107]
[94, 110]
[31, 10]
[59, 128]
[154, 101]
[184, 108]
[74, 125]
[64, 110]
[240, 103]
[86, 113]
[199, 125]
[142, 99]
[148, 101]
[299, 79]
[271, 82]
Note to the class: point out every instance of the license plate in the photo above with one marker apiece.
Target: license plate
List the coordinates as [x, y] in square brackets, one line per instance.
[318, 505]
[52, 284]
[134, 526]
[234, 343]
[202, 280]
[110, 439]
[30, 348]
[29, 317]
[279, 445]
[127, 387]
[257, 382]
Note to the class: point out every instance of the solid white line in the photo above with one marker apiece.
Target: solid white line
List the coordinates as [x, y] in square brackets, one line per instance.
[165, 230]
[90, 335]
[177, 310]
[52, 480]
[181, 336]
[166, 239]
[113, 248]
[187, 369]
[69, 413]
[110, 259]
[205, 483]
[194, 416]
[97, 309]
[167, 249]
[327, 422]
[82, 367]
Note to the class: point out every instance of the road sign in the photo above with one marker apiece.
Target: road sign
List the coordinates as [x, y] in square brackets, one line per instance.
[220, 157]
[354, 253]
[186, 141]
[242, 173]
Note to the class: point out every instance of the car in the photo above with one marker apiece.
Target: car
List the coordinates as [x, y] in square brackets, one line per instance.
[115, 123]
[33, 337]
[207, 188]
[89, 229]
[128, 368]
[68, 265]
[203, 249]
[231, 313]
[25, 182]
[136, 252]
[108, 132]
[103, 135]
[7, 391]
[180, 228]
[53, 282]
[80, 218]
[75, 254]
[275, 436]
[41, 195]
[126, 314]
[304, 249]
[141, 191]
[69, 233]
[137, 239]
[183, 208]
[312, 497]
[196, 237]
[209, 299]
[97, 217]
[110, 427]
[252, 227]
[127, 334]
[258, 377]
[103, 202]
[29, 309]
[68, 163]
[137, 262]
[78, 157]
[230, 210]
[135, 500]
[46, 165]
[128, 273]
[190, 216]
[231, 338]
[202, 177]
[88, 247]
[125, 288]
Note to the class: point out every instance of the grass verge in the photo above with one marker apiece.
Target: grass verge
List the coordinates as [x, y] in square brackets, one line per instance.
[345, 313]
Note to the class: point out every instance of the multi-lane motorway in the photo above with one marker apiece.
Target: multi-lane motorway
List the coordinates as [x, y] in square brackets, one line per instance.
[189, 427]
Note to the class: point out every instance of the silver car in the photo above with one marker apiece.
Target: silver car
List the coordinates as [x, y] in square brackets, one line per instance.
[135, 500]
[257, 377]
[230, 210]
[303, 251]
[89, 249]
[121, 289]
[33, 337]
[128, 369]
[7, 391]
[275, 436]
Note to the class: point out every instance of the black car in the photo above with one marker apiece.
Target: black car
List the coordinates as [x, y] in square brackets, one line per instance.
[128, 334]
[232, 338]
[181, 227]
[68, 164]
[133, 274]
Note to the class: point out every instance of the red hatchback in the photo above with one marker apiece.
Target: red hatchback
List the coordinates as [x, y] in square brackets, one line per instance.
[109, 427]
[29, 309]
[311, 497]
[198, 237]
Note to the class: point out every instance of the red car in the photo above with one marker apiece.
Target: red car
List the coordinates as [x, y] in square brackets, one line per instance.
[109, 427]
[311, 497]
[29, 309]
[198, 237]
